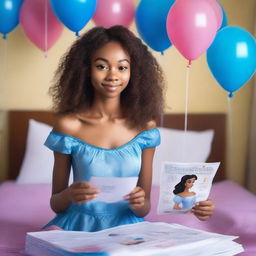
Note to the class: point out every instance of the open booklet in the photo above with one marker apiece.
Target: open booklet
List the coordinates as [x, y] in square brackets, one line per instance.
[184, 184]
[140, 239]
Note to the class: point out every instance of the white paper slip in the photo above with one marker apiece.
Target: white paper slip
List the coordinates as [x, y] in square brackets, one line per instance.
[113, 189]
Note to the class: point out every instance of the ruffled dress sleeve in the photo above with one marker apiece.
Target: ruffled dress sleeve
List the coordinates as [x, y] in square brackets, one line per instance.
[177, 199]
[59, 142]
[150, 138]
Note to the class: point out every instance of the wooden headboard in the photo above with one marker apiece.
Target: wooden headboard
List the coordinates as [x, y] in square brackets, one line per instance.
[18, 126]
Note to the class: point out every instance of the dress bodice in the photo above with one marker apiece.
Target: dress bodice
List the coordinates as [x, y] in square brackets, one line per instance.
[187, 202]
[89, 160]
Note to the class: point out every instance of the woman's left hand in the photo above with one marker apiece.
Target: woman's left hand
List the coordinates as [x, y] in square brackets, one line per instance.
[203, 210]
[136, 198]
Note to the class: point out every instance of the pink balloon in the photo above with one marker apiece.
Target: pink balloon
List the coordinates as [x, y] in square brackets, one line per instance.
[191, 27]
[33, 17]
[218, 12]
[114, 12]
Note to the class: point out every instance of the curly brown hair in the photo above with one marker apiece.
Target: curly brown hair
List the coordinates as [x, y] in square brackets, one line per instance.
[141, 101]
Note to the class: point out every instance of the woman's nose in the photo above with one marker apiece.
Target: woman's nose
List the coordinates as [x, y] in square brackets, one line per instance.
[112, 75]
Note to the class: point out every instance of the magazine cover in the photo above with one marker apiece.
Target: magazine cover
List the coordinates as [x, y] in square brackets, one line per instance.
[184, 184]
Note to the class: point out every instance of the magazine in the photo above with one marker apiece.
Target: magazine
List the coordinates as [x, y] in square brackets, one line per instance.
[182, 185]
[140, 239]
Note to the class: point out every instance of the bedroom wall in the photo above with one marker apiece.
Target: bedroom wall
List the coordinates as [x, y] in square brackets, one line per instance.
[25, 76]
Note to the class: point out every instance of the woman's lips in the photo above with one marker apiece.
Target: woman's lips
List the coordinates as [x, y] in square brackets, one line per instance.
[110, 87]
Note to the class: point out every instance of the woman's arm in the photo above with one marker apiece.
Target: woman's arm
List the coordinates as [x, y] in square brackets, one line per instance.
[139, 198]
[177, 206]
[62, 194]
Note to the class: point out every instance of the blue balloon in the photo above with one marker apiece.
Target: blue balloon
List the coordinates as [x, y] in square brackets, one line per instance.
[9, 15]
[150, 21]
[74, 14]
[232, 58]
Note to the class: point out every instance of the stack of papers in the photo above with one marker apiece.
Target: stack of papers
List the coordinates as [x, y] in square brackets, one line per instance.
[140, 239]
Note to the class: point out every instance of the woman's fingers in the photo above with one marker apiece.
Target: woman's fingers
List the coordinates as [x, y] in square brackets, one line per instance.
[84, 198]
[203, 218]
[82, 192]
[203, 210]
[136, 198]
[136, 193]
[204, 206]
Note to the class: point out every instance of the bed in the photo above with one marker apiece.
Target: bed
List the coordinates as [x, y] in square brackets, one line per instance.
[25, 195]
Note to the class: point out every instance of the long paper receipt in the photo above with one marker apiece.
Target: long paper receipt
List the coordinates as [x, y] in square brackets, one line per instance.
[113, 189]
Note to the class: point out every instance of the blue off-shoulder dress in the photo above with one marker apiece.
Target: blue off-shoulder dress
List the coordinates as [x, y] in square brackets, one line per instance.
[87, 161]
[187, 202]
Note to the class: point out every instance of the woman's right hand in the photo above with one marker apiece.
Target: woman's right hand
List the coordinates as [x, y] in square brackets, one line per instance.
[82, 192]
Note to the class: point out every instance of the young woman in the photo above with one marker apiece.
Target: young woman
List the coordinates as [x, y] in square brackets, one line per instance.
[108, 95]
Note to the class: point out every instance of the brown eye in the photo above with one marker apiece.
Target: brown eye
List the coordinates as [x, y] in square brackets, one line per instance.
[101, 67]
[122, 68]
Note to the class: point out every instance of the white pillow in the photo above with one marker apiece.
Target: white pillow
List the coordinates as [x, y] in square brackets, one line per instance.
[176, 146]
[37, 164]
[38, 160]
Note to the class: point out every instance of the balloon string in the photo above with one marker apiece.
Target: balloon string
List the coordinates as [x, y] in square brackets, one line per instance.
[47, 71]
[189, 64]
[46, 28]
[186, 115]
[231, 95]
[230, 132]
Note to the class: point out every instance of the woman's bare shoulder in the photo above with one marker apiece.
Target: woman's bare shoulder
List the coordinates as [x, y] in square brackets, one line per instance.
[66, 123]
[181, 194]
[151, 124]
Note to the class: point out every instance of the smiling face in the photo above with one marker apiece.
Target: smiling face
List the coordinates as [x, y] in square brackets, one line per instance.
[110, 70]
[189, 183]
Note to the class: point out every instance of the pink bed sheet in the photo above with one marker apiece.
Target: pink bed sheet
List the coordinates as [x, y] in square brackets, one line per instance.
[25, 208]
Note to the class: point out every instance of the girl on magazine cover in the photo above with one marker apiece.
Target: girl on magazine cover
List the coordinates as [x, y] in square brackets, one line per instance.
[184, 199]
